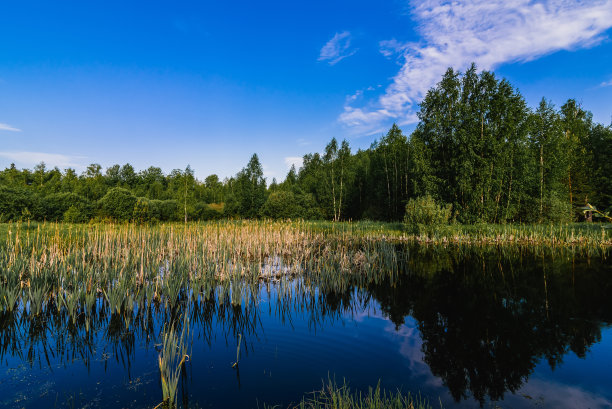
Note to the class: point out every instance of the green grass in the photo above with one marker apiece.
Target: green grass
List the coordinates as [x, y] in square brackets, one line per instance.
[552, 235]
[334, 396]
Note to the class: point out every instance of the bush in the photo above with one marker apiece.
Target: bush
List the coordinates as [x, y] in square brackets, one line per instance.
[204, 211]
[118, 204]
[168, 210]
[55, 206]
[142, 210]
[308, 208]
[557, 210]
[424, 215]
[16, 203]
[75, 214]
[281, 205]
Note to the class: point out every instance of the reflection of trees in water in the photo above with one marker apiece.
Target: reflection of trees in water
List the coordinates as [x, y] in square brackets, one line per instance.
[487, 318]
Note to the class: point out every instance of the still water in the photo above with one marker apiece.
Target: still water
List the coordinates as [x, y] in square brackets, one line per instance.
[464, 328]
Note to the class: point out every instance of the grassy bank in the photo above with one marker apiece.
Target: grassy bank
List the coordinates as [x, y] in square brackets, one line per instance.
[572, 234]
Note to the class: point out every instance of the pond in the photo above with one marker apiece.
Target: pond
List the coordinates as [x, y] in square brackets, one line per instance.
[467, 328]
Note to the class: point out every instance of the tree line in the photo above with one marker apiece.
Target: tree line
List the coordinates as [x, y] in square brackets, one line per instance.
[478, 150]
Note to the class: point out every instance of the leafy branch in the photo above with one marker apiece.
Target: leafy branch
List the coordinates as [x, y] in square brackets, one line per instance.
[596, 213]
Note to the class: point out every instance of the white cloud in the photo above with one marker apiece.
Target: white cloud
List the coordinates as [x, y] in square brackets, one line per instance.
[606, 84]
[51, 159]
[337, 48]
[5, 127]
[268, 173]
[294, 161]
[391, 47]
[488, 32]
[557, 395]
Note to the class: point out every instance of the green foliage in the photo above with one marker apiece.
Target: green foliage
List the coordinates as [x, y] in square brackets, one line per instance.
[477, 147]
[281, 205]
[164, 210]
[203, 211]
[118, 204]
[248, 191]
[74, 214]
[557, 210]
[142, 210]
[473, 133]
[55, 205]
[15, 203]
[577, 126]
[424, 214]
[600, 166]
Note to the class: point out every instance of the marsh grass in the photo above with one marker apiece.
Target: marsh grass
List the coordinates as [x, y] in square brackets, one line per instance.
[172, 357]
[71, 267]
[334, 396]
[580, 235]
[131, 265]
[69, 280]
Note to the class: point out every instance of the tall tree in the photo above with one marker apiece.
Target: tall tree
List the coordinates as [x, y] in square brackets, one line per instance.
[472, 137]
[600, 167]
[546, 138]
[577, 125]
[248, 191]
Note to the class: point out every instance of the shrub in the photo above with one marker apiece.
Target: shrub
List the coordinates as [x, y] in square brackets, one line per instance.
[557, 210]
[168, 210]
[281, 205]
[75, 214]
[424, 215]
[118, 204]
[55, 206]
[204, 211]
[142, 210]
[15, 203]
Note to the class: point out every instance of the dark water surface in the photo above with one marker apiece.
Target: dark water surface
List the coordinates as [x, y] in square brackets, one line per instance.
[490, 328]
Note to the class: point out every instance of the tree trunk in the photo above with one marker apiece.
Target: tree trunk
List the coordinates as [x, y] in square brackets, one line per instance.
[541, 180]
[333, 191]
[510, 184]
[388, 186]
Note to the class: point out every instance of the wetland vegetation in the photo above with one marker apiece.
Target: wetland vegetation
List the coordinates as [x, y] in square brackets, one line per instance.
[477, 264]
[486, 314]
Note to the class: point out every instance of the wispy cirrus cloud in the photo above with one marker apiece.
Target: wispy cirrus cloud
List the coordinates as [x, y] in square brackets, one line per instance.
[51, 159]
[6, 127]
[338, 48]
[606, 84]
[488, 32]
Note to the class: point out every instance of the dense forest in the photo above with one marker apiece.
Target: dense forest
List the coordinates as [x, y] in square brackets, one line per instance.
[477, 149]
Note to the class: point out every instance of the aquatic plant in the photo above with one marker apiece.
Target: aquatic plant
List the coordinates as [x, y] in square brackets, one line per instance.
[334, 396]
[171, 359]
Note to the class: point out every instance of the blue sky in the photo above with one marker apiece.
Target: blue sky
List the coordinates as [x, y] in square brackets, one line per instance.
[209, 83]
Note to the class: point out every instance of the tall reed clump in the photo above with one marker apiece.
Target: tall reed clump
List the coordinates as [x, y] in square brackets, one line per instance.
[172, 357]
[72, 267]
